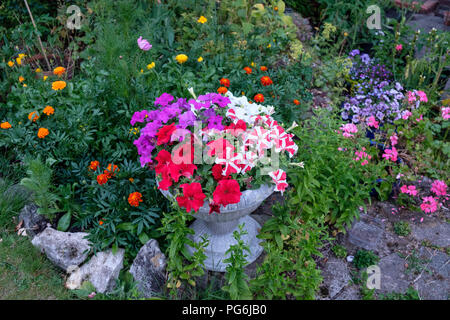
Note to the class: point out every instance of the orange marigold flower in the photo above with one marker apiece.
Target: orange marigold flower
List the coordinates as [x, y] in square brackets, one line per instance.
[248, 70]
[296, 102]
[59, 71]
[259, 97]
[42, 133]
[58, 85]
[111, 170]
[225, 82]
[21, 79]
[222, 90]
[134, 199]
[5, 125]
[33, 116]
[263, 68]
[100, 222]
[102, 178]
[48, 110]
[131, 180]
[265, 81]
[94, 165]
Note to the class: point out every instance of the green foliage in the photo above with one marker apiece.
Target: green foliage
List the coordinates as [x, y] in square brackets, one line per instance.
[289, 269]
[415, 264]
[410, 294]
[332, 185]
[40, 184]
[11, 203]
[235, 277]
[402, 228]
[183, 267]
[339, 251]
[365, 258]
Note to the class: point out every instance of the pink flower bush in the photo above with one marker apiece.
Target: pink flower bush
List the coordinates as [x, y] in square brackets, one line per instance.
[394, 139]
[362, 155]
[372, 122]
[439, 188]
[446, 113]
[390, 154]
[429, 205]
[144, 44]
[348, 130]
[406, 114]
[411, 190]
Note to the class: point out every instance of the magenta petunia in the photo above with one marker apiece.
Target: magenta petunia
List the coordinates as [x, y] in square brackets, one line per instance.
[144, 44]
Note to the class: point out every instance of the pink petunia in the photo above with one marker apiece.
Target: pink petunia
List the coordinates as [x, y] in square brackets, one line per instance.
[406, 114]
[399, 47]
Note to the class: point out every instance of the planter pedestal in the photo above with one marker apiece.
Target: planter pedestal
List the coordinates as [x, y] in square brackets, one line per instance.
[220, 236]
[219, 227]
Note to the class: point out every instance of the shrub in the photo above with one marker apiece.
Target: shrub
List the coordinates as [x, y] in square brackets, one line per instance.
[365, 258]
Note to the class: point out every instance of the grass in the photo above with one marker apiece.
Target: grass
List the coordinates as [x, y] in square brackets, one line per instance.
[25, 273]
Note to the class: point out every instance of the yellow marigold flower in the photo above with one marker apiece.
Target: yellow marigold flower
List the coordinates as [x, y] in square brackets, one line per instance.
[21, 79]
[202, 20]
[5, 125]
[48, 110]
[269, 45]
[33, 116]
[38, 70]
[142, 70]
[58, 85]
[42, 133]
[25, 85]
[10, 63]
[22, 55]
[200, 59]
[345, 34]
[59, 71]
[151, 65]
[181, 58]
[252, 64]
[45, 78]
[19, 61]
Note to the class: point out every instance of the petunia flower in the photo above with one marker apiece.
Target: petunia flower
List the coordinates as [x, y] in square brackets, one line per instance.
[144, 44]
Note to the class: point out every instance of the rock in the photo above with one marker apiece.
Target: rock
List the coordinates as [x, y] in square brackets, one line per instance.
[430, 288]
[148, 269]
[64, 249]
[366, 233]
[426, 22]
[102, 271]
[33, 222]
[393, 277]
[349, 293]
[335, 276]
[439, 262]
[437, 232]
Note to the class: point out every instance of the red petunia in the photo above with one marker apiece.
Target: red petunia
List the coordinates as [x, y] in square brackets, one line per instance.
[227, 192]
[265, 81]
[217, 170]
[193, 196]
[236, 129]
[165, 133]
[164, 159]
[178, 170]
[225, 82]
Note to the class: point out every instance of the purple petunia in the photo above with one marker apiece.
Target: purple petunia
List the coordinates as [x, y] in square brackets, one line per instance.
[164, 100]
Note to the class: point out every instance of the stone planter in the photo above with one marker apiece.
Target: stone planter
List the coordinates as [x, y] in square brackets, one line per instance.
[219, 227]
